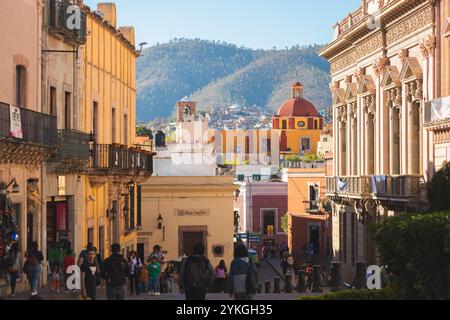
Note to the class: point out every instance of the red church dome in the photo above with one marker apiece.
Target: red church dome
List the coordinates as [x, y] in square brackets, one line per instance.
[298, 107]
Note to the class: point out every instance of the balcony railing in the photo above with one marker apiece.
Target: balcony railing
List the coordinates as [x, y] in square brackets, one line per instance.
[63, 20]
[396, 186]
[350, 186]
[376, 186]
[72, 145]
[37, 128]
[120, 159]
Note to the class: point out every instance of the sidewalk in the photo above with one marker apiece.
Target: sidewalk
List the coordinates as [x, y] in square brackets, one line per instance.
[46, 294]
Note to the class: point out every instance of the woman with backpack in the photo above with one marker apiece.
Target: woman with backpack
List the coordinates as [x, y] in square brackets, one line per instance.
[243, 275]
[34, 260]
[196, 275]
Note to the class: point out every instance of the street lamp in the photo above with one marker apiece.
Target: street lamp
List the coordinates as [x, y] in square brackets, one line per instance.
[141, 48]
[112, 213]
[4, 187]
[237, 219]
[130, 185]
[237, 193]
[126, 209]
[160, 222]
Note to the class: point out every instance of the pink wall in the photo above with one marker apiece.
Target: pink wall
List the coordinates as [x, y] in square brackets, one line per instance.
[20, 27]
[260, 202]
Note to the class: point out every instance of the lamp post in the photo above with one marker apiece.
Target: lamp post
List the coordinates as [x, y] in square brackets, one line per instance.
[141, 48]
[237, 219]
[160, 222]
[4, 187]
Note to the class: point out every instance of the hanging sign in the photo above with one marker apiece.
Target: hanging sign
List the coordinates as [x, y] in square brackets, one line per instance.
[61, 185]
[15, 129]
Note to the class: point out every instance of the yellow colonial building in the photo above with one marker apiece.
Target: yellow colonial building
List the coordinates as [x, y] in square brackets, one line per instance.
[299, 124]
[116, 166]
[183, 211]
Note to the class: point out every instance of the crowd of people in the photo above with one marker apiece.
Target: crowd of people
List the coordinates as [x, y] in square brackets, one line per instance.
[195, 276]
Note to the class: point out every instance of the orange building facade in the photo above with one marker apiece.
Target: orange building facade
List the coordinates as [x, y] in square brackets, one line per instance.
[308, 219]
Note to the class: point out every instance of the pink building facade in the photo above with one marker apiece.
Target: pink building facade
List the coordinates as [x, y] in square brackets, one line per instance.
[261, 207]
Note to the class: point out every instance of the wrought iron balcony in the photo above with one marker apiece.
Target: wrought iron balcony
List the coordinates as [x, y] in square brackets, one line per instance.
[35, 139]
[400, 186]
[379, 187]
[63, 20]
[72, 154]
[117, 159]
[355, 186]
[72, 144]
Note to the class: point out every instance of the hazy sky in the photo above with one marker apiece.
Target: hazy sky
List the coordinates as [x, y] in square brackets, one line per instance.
[252, 23]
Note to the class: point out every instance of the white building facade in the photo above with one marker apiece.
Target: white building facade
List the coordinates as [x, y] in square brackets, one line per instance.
[383, 73]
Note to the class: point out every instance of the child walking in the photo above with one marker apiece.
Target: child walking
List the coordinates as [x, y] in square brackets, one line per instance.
[154, 269]
[169, 273]
[143, 279]
[55, 277]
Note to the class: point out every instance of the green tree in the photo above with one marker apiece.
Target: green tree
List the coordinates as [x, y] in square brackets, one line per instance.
[285, 223]
[416, 249]
[439, 190]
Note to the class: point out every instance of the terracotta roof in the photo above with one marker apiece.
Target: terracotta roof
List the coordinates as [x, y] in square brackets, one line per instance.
[297, 84]
[298, 107]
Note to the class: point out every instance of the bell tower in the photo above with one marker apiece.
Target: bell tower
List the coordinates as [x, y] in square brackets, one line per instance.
[297, 91]
[186, 110]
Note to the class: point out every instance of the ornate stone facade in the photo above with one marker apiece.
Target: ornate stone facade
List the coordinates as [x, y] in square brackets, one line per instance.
[381, 150]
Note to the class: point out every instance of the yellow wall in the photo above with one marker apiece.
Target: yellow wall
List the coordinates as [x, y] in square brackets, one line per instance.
[230, 139]
[162, 195]
[294, 135]
[109, 75]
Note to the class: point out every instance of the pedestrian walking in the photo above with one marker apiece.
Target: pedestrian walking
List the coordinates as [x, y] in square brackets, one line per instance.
[84, 253]
[169, 274]
[309, 277]
[158, 254]
[34, 260]
[69, 260]
[143, 278]
[154, 269]
[115, 271]
[290, 265]
[14, 269]
[196, 274]
[243, 276]
[221, 273]
[134, 264]
[90, 276]
[98, 257]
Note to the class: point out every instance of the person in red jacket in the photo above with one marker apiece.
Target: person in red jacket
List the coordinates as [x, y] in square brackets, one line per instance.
[69, 260]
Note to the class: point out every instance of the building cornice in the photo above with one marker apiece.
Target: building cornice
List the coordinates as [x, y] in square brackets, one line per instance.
[388, 15]
[115, 32]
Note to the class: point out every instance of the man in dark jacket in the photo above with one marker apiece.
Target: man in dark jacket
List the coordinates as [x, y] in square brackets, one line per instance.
[115, 271]
[196, 274]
